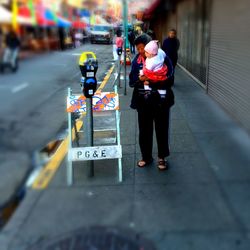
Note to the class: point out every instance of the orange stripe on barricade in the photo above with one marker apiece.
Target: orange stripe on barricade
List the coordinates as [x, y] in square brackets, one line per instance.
[103, 101]
[107, 100]
[77, 104]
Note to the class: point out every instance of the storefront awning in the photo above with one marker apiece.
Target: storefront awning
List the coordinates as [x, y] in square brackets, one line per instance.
[79, 24]
[46, 18]
[6, 17]
[59, 21]
[148, 13]
[62, 22]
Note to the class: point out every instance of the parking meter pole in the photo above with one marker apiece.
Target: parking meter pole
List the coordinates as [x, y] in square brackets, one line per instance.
[90, 132]
[119, 71]
[118, 138]
[125, 73]
[88, 66]
[125, 25]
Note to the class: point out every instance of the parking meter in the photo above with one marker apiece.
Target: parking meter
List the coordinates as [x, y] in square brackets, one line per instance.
[88, 65]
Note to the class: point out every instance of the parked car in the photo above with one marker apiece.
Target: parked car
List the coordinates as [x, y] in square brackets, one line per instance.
[101, 33]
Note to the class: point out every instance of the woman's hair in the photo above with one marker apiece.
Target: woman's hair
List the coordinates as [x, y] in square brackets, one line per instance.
[119, 33]
[144, 39]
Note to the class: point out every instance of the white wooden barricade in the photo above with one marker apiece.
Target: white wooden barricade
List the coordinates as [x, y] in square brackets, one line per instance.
[103, 101]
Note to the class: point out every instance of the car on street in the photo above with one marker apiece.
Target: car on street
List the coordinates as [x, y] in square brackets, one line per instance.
[100, 33]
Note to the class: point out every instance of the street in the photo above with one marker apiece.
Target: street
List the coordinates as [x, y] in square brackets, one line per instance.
[33, 101]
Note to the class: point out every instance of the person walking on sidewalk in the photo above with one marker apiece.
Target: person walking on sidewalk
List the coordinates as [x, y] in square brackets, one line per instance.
[153, 110]
[171, 46]
[131, 38]
[11, 51]
[119, 42]
[1, 44]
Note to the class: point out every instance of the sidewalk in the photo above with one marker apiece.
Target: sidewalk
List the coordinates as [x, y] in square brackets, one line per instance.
[201, 203]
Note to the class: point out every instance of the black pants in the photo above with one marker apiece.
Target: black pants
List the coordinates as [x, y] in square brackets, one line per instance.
[150, 118]
[132, 48]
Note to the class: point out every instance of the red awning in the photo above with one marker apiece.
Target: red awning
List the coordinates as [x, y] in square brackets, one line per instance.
[41, 19]
[79, 24]
[148, 13]
[24, 11]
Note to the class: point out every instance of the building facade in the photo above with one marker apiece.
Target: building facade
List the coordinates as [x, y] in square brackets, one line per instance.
[215, 38]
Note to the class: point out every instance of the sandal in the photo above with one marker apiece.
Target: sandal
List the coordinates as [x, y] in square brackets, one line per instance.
[142, 163]
[162, 165]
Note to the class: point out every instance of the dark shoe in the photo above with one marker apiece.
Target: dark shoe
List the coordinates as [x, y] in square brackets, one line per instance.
[143, 163]
[162, 165]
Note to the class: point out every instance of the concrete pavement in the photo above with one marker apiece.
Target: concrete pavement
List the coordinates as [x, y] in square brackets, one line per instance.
[32, 113]
[201, 202]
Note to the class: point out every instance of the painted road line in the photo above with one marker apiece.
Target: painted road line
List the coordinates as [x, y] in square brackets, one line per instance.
[20, 87]
[106, 78]
[75, 54]
[47, 173]
[32, 177]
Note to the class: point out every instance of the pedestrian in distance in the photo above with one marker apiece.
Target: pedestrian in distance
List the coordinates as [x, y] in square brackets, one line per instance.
[1, 45]
[1, 39]
[119, 42]
[171, 46]
[151, 33]
[152, 109]
[131, 39]
[10, 55]
[73, 38]
[139, 31]
[61, 35]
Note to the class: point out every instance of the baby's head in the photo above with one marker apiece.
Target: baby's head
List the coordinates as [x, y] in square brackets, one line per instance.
[151, 49]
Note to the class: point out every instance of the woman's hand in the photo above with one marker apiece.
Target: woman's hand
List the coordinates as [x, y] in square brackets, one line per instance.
[143, 78]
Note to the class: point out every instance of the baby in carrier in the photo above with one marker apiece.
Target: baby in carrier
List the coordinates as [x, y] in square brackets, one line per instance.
[154, 68]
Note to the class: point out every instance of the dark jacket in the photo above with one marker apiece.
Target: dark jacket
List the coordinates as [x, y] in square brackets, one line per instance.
[12, 41]
[171, 47]
[138, 97]
[131, 37]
